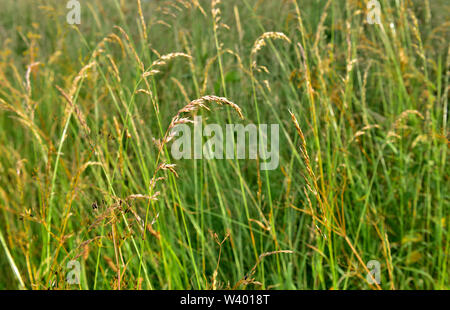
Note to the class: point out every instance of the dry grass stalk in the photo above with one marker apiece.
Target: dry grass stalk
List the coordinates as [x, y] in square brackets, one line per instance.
[247, 278]
[28, 122]
[398, 124]
[141, 16]
[115, 38]
[261, 42]
[320, 27]
[238, 23]
[208, 65]
[181, 88]
[136, 56]
[140, 196]
[144, 91]
[216, 14]
[323, 204]
[198, 6]
[80, 75]
[170, 167]
[27, 76]
[177, 120]
[161, 61]
[303, 148]
[165, 58]
[220, 243]
[73, 107]
[363, 130]
[114, 67]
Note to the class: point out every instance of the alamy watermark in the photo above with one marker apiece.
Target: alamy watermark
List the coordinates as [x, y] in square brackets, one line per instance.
[74, 14]
[374, 275]
[374, 12]
[73, 276]
[227, 143]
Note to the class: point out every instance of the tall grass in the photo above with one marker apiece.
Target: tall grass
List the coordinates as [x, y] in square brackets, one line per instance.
[86, 172]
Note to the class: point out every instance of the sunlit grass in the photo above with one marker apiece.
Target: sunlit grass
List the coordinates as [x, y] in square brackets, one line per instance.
[86, 173]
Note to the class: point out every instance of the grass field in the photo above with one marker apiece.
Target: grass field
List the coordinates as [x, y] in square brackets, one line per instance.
[88, 182]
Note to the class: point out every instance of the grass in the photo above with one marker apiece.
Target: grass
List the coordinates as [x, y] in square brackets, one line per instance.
[86, 172]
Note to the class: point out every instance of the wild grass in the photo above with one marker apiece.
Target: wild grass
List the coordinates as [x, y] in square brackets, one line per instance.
[86, 172]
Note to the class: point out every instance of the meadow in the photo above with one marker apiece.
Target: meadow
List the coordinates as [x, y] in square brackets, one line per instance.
[92, 198]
